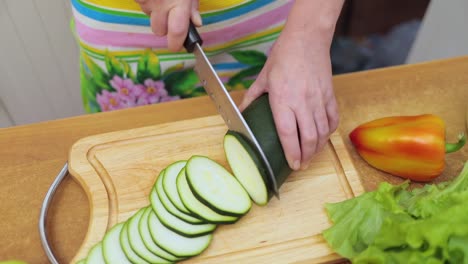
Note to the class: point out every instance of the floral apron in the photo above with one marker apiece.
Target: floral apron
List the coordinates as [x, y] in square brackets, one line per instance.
[123, 64]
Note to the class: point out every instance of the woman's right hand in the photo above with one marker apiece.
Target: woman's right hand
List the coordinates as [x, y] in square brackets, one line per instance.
[171, 18]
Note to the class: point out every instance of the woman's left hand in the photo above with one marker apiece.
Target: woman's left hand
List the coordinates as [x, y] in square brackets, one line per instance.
[298, 78]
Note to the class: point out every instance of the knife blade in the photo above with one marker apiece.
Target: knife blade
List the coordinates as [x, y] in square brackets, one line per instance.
[223, 101]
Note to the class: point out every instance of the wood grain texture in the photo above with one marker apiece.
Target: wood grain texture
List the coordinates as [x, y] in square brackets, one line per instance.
[35, 153]
[438, 88]
[118, 170]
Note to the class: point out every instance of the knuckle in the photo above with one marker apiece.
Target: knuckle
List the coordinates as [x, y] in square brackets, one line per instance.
[309, 138]
[285, 130]
[323, 130]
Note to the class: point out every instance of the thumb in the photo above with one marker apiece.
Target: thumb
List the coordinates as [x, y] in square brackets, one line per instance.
[255, 90]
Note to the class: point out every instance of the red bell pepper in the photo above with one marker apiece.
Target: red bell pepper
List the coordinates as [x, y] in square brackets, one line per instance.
[411, 147]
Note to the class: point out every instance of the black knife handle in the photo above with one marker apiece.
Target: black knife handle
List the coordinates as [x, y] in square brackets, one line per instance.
[192, 38]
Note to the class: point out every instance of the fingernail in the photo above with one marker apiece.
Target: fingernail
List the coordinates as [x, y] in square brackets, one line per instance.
[296, 165]
[198, 20]
[305, 166]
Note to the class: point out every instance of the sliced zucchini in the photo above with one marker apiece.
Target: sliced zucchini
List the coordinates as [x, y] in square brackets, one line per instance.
[174, 243]
[177, 225]
[111, 248]
[246, 167]
[83, 261]
[260, 119]
[197, 207]
[95, 255]
[136, 241]
[127, 248]
[158, 191]
[169, 184]
[148, 240]
[213, 185]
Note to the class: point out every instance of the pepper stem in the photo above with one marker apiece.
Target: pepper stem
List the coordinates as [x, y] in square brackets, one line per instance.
[452, 147]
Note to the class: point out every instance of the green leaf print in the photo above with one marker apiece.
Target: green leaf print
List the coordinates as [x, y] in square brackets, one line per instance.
[98, 76]
[128, 71]
[198, 91]
[84, 89]
[181, 83]
[88, 91]
[241, 75]
[247, 83]
[249, 57]
[153, 67]
[148, 67]
[174, 68]
[141, 68]
[114, 66]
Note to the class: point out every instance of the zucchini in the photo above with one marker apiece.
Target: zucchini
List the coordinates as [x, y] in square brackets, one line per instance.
[148, 240]
[177, 225]
[169, 184]
[83, 261]
[95, 255]
[259, 117]
[136, 241]
[159, 193]
[246, 167]
[197, 207]
[111, 248]
[213, 185]
[174, 243]
[127, 248]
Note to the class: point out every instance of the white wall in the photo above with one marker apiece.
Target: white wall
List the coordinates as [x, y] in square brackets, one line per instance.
[39, 77]
[443, 32]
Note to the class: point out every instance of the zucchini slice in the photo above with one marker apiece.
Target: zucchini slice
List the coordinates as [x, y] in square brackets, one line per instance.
[127, 248]
[177, 225]
[174, 243]
[111, 248]
[136, 242]
[95, 255]
[213, 185]
[158, 192]
[246, 167]
[197, 207]
[83, 261]
[260, 119]
[169, 184]
[148, 240]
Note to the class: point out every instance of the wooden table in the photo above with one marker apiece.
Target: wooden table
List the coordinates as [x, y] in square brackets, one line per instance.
[32, 155]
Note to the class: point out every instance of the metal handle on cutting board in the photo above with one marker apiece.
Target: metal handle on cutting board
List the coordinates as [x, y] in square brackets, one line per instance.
[192, 38]
[45, 209]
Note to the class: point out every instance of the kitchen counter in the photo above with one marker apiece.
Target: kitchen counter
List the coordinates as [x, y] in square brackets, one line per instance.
[32, 155]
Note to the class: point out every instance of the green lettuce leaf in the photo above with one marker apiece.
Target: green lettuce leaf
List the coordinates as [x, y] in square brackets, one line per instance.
[394, 225]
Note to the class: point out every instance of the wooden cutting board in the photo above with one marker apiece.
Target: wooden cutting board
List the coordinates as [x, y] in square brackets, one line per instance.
[117, 171]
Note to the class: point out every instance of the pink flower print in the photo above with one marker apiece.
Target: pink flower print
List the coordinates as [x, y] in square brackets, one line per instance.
[125, 88]
[109, 101]
[142, 101]
[154, 90]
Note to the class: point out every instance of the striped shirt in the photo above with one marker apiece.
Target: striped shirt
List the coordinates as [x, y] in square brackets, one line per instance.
[123, 64]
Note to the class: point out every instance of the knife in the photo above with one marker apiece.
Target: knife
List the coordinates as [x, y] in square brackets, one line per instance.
[223, 101]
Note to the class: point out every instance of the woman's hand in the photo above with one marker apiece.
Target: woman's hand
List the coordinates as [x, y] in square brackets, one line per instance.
[298, 78]
[171, 18]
